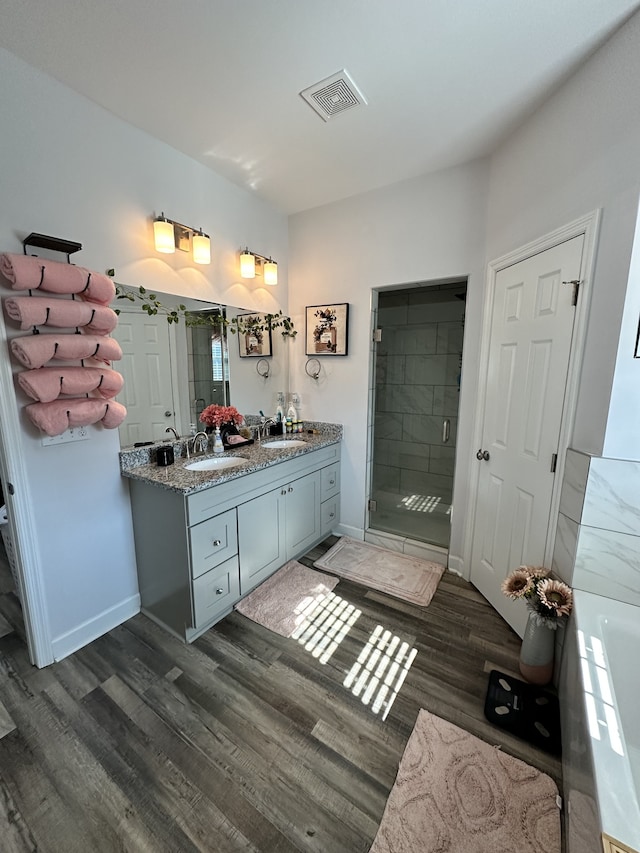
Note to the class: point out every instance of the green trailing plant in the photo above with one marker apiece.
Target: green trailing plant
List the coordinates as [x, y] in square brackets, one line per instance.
[251, 323]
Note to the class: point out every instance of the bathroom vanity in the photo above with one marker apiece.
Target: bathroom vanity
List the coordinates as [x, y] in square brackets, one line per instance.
[204, 539]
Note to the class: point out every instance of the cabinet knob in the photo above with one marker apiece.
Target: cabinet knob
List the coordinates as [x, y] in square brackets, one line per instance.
[332, 482]
[216, 542]
[219, 591]
[332, 515]
[290, 489]
[283, 492]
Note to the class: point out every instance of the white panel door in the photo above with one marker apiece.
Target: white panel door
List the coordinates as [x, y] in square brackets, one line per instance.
[146, 367]
[530, 345]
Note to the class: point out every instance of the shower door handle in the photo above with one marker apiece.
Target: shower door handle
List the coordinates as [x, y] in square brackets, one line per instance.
[446, 430]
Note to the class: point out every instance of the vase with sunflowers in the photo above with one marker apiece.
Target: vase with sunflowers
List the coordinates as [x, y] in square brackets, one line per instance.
[549, 602]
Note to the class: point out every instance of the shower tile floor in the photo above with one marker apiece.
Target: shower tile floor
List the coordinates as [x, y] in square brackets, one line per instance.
[425, 518]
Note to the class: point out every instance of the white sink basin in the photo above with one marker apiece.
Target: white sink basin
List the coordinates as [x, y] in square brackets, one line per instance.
[216, 463]
[279, 443]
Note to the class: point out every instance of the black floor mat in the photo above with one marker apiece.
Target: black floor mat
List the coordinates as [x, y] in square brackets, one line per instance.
[525, 710]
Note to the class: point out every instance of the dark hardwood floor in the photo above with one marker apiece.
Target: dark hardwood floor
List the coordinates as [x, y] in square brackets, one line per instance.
[242, 741]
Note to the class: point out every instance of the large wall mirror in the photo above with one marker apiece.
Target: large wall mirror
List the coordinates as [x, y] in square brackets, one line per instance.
[173, 370]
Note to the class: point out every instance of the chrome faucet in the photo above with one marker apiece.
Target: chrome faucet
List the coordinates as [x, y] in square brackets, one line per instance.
[264, 426]
[172, 429]
[199, 442]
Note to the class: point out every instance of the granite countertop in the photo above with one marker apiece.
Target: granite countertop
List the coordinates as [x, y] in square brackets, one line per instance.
[139, 463]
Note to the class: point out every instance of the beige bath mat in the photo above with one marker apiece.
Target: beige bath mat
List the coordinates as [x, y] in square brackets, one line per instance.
[396, 574]
[286, 600]
[456, 793]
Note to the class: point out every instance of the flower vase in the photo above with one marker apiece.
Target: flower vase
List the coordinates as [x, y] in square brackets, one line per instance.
[537, 652]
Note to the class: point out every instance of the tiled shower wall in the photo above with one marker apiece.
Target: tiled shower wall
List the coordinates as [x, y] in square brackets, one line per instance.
[417, 387]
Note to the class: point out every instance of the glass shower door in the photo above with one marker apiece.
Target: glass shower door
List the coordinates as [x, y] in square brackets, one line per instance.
[417, 381]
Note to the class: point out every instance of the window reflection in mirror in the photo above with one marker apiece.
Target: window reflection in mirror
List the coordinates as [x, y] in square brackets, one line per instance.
[172, 371]
[208, 349]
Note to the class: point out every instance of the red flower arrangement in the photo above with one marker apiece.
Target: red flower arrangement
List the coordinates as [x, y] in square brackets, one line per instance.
[215, 416]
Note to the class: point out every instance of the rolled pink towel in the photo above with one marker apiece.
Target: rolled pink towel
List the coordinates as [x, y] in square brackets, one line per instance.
[48, 383]
[60, 313]
[25, 272]
[55, 417]
[36, 350]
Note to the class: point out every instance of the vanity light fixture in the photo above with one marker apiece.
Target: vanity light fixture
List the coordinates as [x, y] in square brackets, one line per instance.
[247, 264]
[169, 236]
[252, 264]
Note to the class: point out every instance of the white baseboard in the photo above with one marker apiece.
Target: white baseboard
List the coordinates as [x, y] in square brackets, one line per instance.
[90, 630]
[352, 532]
[456, 565]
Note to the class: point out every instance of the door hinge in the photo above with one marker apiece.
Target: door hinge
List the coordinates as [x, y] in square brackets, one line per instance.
[372, 505]
[576, 282]
[554, 462]
[377, 336]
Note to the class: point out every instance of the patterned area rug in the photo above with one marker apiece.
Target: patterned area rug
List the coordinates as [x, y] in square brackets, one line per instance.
[287, 600]
[456, 793]
[400, 575]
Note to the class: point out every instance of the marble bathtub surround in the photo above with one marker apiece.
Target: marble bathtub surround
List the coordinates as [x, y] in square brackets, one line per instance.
[612, 496]
[597, 547]
[574, 483]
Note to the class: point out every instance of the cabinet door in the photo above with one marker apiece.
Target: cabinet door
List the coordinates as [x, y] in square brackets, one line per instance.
[212, 542]
[261, 538]
[214, 592]
[302, 514]
[329, 511]
[330, 481]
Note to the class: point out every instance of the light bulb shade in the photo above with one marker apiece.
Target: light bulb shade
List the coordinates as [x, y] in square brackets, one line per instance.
[163, 236]
[270, 271]
[247, 265]
[201, 246]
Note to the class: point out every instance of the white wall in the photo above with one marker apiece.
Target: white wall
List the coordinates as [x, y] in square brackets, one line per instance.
[72, 170]
[579, 152]
[420, 230]
[622, 437]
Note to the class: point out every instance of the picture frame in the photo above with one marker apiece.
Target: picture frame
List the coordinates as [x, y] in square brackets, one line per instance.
[255, 342]
[327, 329]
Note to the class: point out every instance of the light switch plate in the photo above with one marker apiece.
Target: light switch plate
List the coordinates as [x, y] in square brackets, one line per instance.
[73, 434]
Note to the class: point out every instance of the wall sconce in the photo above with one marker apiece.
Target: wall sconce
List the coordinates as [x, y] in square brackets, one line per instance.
[169, 236]
[252, 264]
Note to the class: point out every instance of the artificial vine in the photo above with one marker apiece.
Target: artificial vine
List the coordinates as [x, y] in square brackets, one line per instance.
[236, 325]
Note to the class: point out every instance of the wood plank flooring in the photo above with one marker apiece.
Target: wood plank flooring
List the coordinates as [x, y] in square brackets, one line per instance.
[241, 741]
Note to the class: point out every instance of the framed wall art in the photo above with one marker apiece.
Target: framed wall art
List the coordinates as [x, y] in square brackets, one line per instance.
[327, 330]
[254, 340]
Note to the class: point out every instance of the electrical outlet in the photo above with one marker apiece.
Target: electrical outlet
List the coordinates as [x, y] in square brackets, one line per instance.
[73, 434]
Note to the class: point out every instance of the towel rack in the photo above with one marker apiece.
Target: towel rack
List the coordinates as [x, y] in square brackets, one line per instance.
[54, 244]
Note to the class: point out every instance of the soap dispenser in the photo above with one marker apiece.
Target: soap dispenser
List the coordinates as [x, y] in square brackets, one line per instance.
[218, 447]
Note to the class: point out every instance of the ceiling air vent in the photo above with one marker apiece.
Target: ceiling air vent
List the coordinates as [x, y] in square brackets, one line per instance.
[334, 95]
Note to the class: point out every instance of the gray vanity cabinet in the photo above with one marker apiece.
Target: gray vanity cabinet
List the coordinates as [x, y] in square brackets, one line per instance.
[198, 554]
[277, 527]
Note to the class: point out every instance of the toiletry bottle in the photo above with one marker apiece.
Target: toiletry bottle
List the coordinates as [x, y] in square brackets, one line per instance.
[217, 442]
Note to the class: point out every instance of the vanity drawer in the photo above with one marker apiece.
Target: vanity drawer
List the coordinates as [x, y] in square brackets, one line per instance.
[329, 513]
[329, 481]
[215, 591]
[212, 542]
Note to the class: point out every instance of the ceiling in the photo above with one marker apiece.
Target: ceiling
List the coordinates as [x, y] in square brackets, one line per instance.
[219, 80]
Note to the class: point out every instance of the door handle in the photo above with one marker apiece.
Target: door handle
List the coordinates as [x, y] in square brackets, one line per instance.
[483, 454]
[446, 430]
